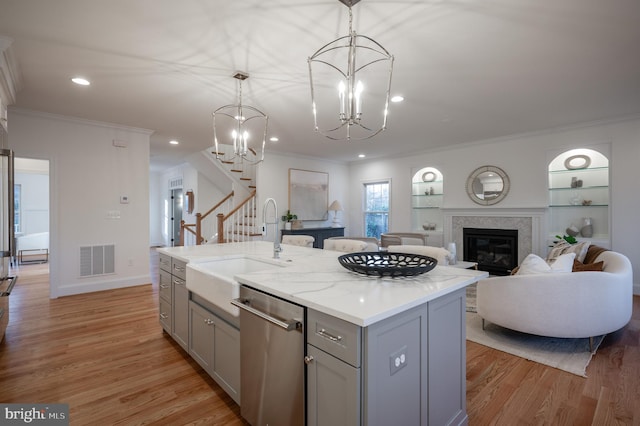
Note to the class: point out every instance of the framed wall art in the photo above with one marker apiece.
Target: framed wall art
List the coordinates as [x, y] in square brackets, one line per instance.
[308, 194]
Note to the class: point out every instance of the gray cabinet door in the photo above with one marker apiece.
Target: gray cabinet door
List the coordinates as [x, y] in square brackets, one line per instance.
[333, 390]
[180, 308]
[226, 358]
[215, 345]
[202, 336]
[447, 359]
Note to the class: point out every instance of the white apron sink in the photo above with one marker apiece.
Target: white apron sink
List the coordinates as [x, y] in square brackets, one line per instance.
[213, 280]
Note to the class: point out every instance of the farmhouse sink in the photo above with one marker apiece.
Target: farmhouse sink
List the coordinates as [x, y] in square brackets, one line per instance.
[213, 280]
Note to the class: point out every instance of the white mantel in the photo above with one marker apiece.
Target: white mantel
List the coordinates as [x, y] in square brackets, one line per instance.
[529, 221]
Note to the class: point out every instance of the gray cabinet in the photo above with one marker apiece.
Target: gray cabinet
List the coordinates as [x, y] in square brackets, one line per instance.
[180, 309]
[180, 303]
[333, 363]
[333, 390]
[192, 323]
[407, 369]
[446, 371]
[215, 345]
[165, 293]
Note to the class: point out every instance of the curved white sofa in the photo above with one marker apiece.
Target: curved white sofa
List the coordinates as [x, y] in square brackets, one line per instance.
[567, 304]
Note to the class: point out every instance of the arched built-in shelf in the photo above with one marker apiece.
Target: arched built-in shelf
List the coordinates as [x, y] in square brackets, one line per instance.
[579, 189]
[427, 192]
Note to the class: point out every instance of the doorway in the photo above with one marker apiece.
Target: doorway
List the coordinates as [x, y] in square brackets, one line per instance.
[31, 216]
[176, 215]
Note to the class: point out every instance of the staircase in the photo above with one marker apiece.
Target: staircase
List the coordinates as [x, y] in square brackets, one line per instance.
[236, 213]
[239, 171]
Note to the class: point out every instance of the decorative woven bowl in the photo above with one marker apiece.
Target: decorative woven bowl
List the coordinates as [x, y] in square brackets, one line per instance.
[386, 264]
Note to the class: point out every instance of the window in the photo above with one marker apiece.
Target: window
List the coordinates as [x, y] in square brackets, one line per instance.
[17, 206]
[376, 208]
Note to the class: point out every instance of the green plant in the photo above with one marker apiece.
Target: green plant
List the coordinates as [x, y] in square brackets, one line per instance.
[289, 217]
[568, 238]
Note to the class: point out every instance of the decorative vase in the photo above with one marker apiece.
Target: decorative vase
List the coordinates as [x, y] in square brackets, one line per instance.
[587, 227]
[572, 230]
[452, 253]
[287, 225]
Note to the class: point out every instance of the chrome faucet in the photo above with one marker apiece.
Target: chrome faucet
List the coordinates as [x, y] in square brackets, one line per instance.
[276, 240]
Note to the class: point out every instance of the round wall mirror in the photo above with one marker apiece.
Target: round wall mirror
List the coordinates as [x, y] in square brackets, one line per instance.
[488, 185]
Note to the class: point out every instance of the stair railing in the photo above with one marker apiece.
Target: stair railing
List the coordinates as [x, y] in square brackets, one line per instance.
[239, 224]
[196, 228]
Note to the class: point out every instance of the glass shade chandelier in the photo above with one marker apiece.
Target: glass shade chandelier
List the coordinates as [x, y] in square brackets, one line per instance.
[243, 127]
[344, 74]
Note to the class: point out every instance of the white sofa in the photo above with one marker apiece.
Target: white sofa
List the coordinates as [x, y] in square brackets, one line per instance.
[566, 304]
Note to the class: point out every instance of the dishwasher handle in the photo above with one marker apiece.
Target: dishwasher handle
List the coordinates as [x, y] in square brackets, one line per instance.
[287, 325]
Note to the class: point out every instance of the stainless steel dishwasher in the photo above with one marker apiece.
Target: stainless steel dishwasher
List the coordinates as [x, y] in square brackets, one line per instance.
[271, 359]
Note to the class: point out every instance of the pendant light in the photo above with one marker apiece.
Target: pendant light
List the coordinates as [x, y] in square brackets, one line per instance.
[350, 84]
[243, 127]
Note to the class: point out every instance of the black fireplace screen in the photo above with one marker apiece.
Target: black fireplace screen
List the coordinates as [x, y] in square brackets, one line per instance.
[495, 250]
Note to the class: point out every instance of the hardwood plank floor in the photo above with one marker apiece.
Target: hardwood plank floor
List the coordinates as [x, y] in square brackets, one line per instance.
[106, 356]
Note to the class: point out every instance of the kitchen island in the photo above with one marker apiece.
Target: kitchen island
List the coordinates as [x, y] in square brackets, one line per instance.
[399, 354]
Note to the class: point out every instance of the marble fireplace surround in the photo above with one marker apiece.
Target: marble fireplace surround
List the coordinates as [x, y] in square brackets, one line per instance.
[528, 221]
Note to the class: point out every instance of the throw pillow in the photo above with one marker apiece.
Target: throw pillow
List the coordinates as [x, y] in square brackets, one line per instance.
[563, 247]
[583, 267]
[534, 264]
[593, 253]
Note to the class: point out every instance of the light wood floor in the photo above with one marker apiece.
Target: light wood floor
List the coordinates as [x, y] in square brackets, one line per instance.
[106, 356]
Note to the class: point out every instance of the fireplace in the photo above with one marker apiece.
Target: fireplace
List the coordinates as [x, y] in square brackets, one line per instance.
[495, 250]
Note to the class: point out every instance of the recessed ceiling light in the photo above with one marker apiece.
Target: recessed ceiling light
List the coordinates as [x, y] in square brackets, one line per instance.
[361, 155]
[174, 142]
[397, 98]
[274, 139]
[81, 81]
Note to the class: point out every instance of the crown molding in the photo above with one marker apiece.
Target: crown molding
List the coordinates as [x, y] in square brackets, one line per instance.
[10, 76]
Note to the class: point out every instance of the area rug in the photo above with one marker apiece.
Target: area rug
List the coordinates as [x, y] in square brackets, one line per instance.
[570, 355]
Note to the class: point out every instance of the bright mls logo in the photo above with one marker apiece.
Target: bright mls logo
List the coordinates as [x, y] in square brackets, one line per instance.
[37, 414]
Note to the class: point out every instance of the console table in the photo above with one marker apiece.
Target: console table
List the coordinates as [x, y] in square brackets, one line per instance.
[319, 234]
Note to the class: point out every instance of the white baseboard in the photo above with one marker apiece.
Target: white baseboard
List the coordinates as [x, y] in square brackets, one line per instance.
[80, 288]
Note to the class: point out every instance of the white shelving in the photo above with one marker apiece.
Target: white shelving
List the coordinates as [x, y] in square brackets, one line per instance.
[576, 194]
[426, 202]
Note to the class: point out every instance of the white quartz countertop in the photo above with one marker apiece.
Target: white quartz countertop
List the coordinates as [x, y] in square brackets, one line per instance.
[314, 278]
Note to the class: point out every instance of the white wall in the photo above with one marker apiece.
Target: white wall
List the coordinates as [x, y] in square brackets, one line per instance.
[525, 159]
[156, 191]
[273, 182]
[88, 176]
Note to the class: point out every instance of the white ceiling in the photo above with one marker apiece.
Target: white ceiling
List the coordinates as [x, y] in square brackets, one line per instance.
[468, 69]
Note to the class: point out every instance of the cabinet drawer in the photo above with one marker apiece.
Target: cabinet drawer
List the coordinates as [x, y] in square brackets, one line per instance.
[178, 281]
[179, 268]
[165, 315]
[165, 262]
[165, 285]
[335, 336]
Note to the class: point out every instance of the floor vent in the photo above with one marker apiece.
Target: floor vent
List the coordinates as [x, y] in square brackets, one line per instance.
[97, 260]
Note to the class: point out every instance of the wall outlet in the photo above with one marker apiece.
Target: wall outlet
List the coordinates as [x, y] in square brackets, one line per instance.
[398, 360]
